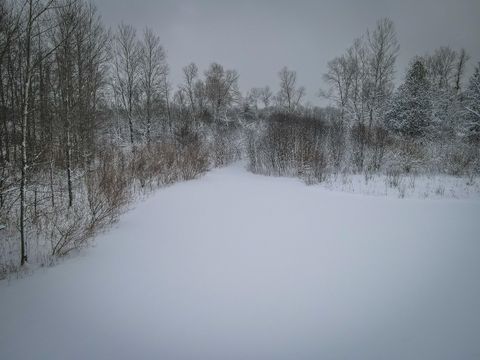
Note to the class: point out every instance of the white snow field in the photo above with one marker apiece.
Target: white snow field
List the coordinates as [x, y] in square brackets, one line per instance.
[240, 266]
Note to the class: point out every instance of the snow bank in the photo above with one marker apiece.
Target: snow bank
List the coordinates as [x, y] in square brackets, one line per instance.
[239, 266]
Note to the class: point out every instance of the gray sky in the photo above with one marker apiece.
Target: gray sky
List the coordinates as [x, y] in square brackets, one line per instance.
[257, 38]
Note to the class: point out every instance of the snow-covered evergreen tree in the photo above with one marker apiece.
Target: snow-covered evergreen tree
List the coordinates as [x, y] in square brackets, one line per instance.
[446, 112]
[410, 109]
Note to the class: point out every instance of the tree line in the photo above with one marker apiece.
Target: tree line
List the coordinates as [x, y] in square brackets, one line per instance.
[89, 118]
[428, 124]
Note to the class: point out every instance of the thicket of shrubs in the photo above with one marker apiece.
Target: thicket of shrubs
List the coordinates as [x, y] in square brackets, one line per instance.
[305, 144]
[314, 146]
[104, 189]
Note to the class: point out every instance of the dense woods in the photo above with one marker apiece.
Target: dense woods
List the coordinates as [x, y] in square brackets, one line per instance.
[90, 120]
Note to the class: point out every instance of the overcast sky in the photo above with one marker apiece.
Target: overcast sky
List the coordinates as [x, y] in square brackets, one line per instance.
[259, 37]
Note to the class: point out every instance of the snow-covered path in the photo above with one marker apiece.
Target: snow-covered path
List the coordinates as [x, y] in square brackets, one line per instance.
[238, 266]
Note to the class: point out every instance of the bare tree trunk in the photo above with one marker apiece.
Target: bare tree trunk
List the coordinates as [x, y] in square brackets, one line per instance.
[167, 100]
[52, 192]
[3, 114]
[26, 101]
[69, 154]
[130, 126]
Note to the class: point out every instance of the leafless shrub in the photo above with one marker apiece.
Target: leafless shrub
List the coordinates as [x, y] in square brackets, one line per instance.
[292, 145]
[107, 195]
[336, 143]
[163, 164]
[358, 134]
[394, 178]
[315, 169]
[440, 190]
[224, 148]
[377, 144]
[411, 156]
[193, 161]
[69, 232]
[460, 160]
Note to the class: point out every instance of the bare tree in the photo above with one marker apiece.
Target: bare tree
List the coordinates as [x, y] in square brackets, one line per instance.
[289, 96]
[266, 96]
[339, 76]
[445, 70]
[382, 52]
[35, 10]
[67, 16]
[200, 94]
[126, 56]
[221, 88]
[253, 96]
[91, 61]
[153, 71]
[190, 73]
[10, 23]
[460, 69]
[441, 67]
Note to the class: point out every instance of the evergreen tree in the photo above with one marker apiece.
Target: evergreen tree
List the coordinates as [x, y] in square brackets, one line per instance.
[411, 106]
[446, 111]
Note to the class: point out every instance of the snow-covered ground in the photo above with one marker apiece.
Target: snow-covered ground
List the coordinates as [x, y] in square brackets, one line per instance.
[406, 186]
[240, 266]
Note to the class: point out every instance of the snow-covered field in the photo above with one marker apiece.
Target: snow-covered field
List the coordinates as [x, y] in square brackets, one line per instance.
[239, 266]
[407, 186]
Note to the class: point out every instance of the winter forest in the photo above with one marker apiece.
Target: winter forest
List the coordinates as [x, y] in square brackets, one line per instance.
[92, 125]
[89, 119]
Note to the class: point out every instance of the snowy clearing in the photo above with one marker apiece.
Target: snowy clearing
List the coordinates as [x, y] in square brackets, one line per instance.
[240, 266]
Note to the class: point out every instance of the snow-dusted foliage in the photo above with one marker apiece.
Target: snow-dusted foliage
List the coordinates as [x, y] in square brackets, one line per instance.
[472, 107]
[90, 120]
[410, 110]
[233, 266]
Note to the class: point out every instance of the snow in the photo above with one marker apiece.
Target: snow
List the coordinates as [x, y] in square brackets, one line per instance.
[241, 266]
[406, 186]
